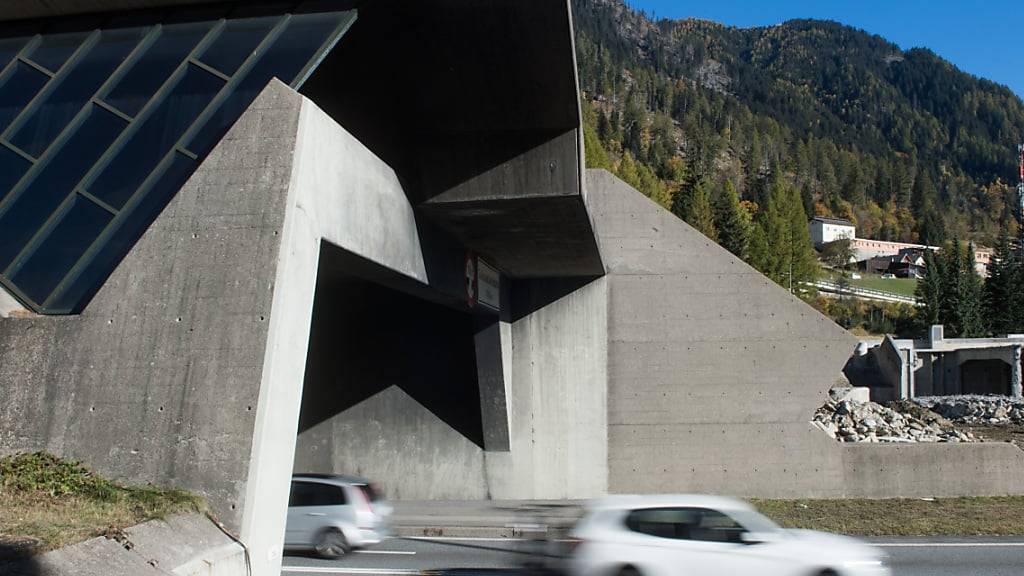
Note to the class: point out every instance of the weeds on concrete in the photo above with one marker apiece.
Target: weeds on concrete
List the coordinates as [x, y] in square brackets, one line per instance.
[52, 502]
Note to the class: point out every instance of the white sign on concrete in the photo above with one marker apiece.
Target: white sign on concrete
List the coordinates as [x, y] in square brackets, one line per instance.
[488, 285]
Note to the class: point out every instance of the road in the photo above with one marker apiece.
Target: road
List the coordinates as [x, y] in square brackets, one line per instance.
[399, 556]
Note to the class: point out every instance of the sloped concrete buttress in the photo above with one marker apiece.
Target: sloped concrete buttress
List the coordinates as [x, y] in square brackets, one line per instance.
[714, 372]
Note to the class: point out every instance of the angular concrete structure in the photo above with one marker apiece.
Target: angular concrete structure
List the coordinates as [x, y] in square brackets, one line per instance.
[439, 297]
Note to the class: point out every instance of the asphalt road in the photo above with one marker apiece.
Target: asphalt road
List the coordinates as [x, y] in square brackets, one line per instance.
[398, 556]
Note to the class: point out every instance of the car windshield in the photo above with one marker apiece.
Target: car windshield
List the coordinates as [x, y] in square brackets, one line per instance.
[753, 521]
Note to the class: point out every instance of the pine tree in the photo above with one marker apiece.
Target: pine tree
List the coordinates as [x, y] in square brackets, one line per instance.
[758, 253]
[804, 267]
[998, 285]
[970, 307]
[732, 222]
[929, 291]
[952, 277]
[772, 221]
[699, 212]
[1016, 307]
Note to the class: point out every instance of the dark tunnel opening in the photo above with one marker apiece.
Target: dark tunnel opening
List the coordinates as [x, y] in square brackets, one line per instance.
[366, 338]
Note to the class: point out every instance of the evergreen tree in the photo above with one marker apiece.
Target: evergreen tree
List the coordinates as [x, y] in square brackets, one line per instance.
[970, 308]
[999, 285]
[772, 221]
[732, 222]
[804, 267]
[699, 212]
[758, 253]
[952, 277]
[929, 291]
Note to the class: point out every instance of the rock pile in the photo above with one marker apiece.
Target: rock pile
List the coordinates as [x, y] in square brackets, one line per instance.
[852, 421]
[976, 410]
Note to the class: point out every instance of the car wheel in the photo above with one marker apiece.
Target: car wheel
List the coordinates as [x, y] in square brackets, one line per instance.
[629, 571]
[827, 573]
[331, 543]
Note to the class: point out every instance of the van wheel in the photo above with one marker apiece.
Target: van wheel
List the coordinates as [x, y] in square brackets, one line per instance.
[331, 543]
[629, 571]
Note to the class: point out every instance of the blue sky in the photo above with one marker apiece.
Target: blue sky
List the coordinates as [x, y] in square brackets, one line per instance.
[982, 37]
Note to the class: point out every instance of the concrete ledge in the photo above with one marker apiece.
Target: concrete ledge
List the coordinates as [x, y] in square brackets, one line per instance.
[184, 545]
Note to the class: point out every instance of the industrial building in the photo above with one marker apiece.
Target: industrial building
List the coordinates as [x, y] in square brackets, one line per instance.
[359, 236]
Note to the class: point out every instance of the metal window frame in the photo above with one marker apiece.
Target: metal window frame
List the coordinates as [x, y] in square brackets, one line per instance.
[123, 215]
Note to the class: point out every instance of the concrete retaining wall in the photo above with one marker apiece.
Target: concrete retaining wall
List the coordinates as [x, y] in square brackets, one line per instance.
[714, 372]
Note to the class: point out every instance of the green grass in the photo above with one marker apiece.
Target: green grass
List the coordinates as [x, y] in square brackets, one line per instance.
[900, 286]
[1001, 516]
[56, 502]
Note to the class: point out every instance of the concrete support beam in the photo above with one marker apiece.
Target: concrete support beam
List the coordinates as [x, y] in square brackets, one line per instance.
[491, 379]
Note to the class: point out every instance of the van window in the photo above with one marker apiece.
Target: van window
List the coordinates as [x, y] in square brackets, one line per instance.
[315, 494]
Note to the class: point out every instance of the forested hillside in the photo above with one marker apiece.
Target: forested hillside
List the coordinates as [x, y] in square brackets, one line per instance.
[764, 126]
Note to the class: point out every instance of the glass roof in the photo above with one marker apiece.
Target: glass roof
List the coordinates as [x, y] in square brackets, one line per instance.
[102, 122]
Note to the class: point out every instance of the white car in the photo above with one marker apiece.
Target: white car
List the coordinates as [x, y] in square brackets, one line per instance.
[707, 536]
[332, 514]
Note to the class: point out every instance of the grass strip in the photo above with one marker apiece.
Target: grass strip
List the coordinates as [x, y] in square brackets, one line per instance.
[59, 502]
[995, 516]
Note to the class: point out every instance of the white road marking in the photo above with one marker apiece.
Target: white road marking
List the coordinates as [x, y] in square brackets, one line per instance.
[327, 570]
[949, 544]
[392, 552]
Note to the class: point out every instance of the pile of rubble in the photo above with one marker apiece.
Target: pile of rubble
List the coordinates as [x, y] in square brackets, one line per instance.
[976, 410]
[848, 420]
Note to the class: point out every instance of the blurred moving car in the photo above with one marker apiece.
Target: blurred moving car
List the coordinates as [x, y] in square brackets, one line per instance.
[707, 536]
[332, 514]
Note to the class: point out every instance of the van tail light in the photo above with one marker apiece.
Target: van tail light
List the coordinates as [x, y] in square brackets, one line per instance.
[572, 545]
[365, 497]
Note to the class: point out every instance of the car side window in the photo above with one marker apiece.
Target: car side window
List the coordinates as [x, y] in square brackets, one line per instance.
[316, 494]
[672, 523]
[700, 524]
[715, 526]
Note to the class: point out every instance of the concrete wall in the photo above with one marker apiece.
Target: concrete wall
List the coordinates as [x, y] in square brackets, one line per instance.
[158, 379]
[558, 393]
[714, 372]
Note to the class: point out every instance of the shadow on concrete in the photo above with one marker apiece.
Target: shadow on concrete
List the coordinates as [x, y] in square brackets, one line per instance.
[443, 91]
[366, 337]
[16, 559]
[530, 296]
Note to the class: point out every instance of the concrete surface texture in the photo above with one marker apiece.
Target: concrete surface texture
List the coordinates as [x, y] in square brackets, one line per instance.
[181, 545]
[158, 379]
[9, 305]
[714, 372]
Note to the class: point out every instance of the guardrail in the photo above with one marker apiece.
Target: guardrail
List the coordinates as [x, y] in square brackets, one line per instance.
[868, 293]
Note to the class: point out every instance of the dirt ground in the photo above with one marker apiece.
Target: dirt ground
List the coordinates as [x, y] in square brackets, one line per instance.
[1013, 434]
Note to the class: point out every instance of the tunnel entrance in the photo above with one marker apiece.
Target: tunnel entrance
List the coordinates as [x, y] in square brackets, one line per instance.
[391, 389]
[985, 377]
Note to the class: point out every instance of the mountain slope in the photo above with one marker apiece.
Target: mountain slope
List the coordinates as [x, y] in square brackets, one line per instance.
[900, 141]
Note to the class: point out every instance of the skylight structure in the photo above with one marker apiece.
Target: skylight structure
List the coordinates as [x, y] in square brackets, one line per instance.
[103, 120]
